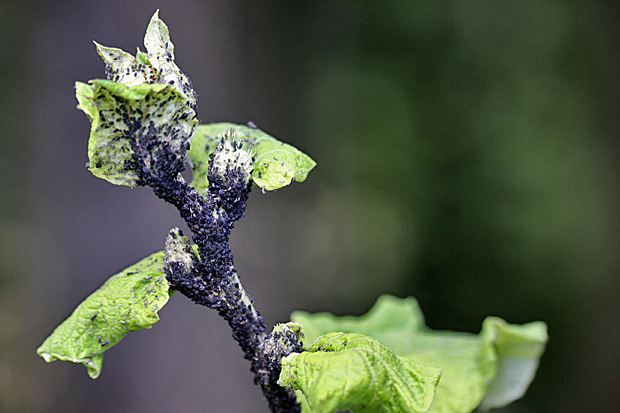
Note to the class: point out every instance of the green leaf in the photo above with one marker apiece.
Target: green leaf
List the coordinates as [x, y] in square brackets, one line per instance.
[85, 96]
[122, 67]
[393, 321]
[129, 300]
[301, 399]
[142, 57]
[135, 129]
[356, 372]
[276, 164]
[519, 349]
[144, 116]
[155, 66]
[160, 54]
[466, 369]
[499, 363]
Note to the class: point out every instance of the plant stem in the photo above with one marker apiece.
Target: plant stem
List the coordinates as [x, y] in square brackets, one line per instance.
[214, 282]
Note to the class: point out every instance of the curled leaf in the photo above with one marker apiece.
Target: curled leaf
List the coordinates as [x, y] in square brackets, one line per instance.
[486, 370]
[519, 349]
[129, 300]
[356, 372]
[143, 116]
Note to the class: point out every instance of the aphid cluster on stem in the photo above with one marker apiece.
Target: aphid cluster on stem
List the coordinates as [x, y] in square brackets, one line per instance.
[213, 281]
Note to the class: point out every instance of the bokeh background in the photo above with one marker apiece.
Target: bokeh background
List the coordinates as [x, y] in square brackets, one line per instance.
[468, 154]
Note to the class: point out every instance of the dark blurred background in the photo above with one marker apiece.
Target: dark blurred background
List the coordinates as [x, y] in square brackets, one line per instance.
[468, 154]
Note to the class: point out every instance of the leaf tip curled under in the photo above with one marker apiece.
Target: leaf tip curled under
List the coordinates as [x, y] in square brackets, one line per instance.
[93, 364]
[518, 349]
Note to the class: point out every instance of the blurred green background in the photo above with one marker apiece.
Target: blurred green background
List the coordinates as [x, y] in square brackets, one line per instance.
[468, 155]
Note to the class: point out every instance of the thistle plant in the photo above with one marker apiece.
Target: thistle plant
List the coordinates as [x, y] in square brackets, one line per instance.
[144, 132]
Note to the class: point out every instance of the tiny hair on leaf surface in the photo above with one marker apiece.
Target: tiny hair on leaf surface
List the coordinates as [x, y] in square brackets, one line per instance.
[486, 370]
[127, 301]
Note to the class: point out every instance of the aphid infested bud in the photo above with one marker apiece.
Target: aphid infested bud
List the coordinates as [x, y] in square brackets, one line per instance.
[143, 117]
[231, 157]
[179, 252]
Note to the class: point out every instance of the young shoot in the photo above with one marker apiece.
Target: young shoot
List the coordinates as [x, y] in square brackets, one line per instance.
[144, 131]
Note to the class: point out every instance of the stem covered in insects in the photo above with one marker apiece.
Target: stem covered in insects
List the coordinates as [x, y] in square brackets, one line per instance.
[212, 280]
